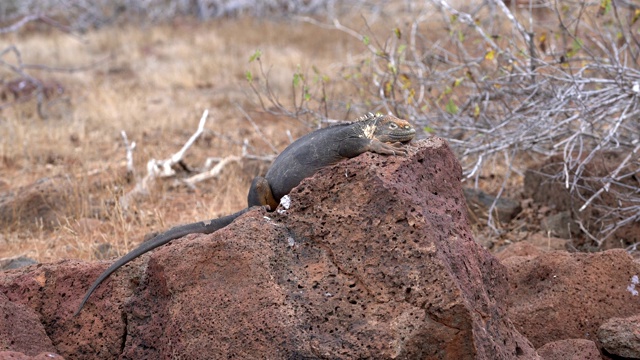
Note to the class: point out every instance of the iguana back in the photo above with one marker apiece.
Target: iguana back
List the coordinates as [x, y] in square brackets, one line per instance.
[325, 147]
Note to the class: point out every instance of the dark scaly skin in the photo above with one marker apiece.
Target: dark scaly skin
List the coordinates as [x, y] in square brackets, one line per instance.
[382, 134]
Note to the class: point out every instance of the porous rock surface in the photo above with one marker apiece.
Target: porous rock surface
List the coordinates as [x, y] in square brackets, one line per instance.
[532, 246]
[621, 336]
[559, 295]
[570, 349]
[373, 259]
[50, 292]
[21, 330]
[14, 355]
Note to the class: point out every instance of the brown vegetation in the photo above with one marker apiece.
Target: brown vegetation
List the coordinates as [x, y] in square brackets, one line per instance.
[506, 91]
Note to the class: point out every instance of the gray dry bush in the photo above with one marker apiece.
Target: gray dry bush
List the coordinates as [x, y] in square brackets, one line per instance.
[504, 82]
[509, 83]
[86, 14]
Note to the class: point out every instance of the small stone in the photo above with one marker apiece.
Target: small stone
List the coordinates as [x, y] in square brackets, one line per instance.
[621, 336]
[561, 225]
[545, 242]
[480, 202]
[562, 295]
[104, 251]
[570, 349]
[15, 263]
[522, 248]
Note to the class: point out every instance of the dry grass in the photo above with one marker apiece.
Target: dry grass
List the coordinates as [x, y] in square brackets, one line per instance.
[153, 82]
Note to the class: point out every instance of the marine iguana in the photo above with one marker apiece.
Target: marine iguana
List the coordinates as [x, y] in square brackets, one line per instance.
[382, 134]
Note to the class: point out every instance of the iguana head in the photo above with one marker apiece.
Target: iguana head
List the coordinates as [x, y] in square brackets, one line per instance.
[387, 128]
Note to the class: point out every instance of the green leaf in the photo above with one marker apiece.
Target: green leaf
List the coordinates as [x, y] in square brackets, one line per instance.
[256, 55]
[397, 32]
[297, 77]
[366, 40]
[605, 7]
[401, 48]
[249, 76]
[575, 47]
[451, 107]
[428, 129]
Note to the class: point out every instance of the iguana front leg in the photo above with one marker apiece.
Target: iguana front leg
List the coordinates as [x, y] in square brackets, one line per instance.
[379, 147]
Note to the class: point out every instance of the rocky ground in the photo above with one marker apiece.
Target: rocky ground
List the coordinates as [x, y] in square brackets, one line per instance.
[374, 258]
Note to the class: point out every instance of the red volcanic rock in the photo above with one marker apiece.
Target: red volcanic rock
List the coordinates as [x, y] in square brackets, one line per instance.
[532, 246]
[374, 258]
[559, 295]
[14, 355]
[21, 330]
[547, 243]
[52, 291]
[570, 349]
[521, 248]
[621, 336]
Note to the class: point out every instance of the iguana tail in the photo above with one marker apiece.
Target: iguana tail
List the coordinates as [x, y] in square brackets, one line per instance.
[200, 227]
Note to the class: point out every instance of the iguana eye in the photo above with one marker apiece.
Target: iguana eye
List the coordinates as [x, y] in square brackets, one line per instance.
[393, 126]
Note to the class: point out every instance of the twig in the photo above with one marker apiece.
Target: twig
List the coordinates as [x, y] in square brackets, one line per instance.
[257, 129]
[129, 147]
[164, 168]
[213, 172]
[613, 177]
[74, 69]
[161, 168]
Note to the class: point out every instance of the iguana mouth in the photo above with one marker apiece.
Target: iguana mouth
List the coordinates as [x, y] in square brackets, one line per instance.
[403, 137]
[409, 134]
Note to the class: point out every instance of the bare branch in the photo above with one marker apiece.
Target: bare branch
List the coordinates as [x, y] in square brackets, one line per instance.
[129, 147]
[161, 168]
[213, 172]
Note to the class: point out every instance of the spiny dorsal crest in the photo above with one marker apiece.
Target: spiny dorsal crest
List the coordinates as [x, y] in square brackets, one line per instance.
[369, 129]
[369, 116]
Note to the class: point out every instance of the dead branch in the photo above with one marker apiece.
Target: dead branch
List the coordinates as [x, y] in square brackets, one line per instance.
[577, 99]
[129, 147]
[214, 171]
[160, 168]
[164, 168]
